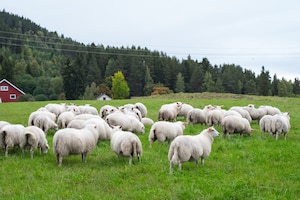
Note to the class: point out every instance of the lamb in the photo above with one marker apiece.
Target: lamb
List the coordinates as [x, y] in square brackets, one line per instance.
[281, 124]
[11, 135]
[165, 131]
[126, 144]
[70, 141]
[190, 148]
[128, 122]
[169, 112]
[45, 123]
[235, 124]
[35, 114]
[34, 138]
[185, 108]
[196, 116]
[142, 108]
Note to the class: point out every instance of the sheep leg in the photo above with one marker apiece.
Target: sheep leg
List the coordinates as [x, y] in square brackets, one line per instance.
[171, 167]
[83, 157]
[180, 165]
[130, 160]
[6, 151]
[202, 161]
[31, 152]
[59, 159]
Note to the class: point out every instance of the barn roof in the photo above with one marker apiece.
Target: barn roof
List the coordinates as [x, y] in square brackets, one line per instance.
[4, 80]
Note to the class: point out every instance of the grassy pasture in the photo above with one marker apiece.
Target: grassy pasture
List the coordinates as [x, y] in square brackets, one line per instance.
[255, 167]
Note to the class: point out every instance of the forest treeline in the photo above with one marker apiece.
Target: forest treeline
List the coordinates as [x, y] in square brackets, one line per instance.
[48, 66]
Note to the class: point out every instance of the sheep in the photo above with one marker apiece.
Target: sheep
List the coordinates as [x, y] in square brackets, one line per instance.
[88, 109]
[185, 108]
[126, 144]
[128, 122]
[86, 116]
[132, 111]
[3, 123]
[11, 135]
[34, 138]
[165, 131]
[142, 108]
[34, 114]
[147, 121]
[190, 148]
[235, 124]
[70, 141]
[196, 116]
[104, 130]
[281, 124]
[270, 110]
[106, 109]
[169, 112]
[244, 113]
[76, 123]
[214, 117]
[57, 109]
[255, 113]
[66, 117]
[45, 123]
[265, 124]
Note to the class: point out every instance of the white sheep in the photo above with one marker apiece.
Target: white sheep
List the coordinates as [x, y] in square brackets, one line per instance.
[35, 114]
[106, 109]
[132, 111]
[3, 123]
[196, 116]
[270, 110]
[34, 138]
[281, 124]
[214, 117]
[255, 113]
[45, 123]
[142, 108]
[235, 124]
[104, 130]
[56, 108]
[66, 117]
[244, 113]
[165, 131]
[190, 148]
[126, 144]
[70, 141]
[265, 124]
[185, 108]
[128, 122]
[88, 109]
[147, 121]
[169, 112]
[76, 123]
[11, 135]
[86, 116]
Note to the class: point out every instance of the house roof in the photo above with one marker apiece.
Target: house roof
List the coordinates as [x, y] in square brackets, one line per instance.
[4, 80]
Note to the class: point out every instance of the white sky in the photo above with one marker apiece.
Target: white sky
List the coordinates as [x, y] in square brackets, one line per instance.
[249, 33]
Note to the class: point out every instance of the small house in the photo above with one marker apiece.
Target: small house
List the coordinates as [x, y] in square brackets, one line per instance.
[103, 96]
[9, 92]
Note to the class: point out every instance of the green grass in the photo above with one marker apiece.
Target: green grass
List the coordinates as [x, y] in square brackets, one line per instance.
[251, 167]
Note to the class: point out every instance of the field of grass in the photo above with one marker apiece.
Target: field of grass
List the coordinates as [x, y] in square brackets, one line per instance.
[249, 167]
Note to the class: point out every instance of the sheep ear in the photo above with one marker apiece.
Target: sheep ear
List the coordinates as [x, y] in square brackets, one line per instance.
[210, 129]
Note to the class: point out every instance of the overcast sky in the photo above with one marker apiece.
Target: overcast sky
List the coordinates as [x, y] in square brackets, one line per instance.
[249, 33]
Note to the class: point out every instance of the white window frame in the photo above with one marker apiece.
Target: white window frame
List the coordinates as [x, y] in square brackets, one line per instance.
[4, 88]
[12, 96]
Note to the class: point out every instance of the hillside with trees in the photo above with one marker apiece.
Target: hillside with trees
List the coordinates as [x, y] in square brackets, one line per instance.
[48, 66]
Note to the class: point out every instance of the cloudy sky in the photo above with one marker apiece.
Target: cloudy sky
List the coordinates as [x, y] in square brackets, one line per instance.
[249, 33]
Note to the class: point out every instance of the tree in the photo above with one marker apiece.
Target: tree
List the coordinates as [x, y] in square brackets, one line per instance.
[274, 86]
[296, 86]
[264, 82]
[208, 84]
[90, 91]
[179, 83]
[149, 84]
[6, 65]
[120, 87]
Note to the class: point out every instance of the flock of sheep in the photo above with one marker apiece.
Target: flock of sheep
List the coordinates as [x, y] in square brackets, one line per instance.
[80, 128]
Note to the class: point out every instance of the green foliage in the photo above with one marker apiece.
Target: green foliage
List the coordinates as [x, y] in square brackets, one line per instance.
[119, 88]
[179, 83]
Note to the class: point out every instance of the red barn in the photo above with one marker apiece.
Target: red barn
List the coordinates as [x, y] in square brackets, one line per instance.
[9, 92]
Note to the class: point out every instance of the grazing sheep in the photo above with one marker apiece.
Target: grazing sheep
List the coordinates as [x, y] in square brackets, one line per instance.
[128, 122]
[126, 144]
[76, 123]
[270, 110]
[132, 111]
[244, 113]
[86, 116]
[281, 124]
[190, 148]
[196, 116]
[214, 117]
[165, 131]
[3, 123]
[142, 108]
[104, 130]
[70, 141]
[11, 135]
[185, 108]
[66, 117]
[255, 113]
[169, 112]
[34, 138]
[45, 123]
[235, 124]
[265, 124]
[147, 121]
[35, 114]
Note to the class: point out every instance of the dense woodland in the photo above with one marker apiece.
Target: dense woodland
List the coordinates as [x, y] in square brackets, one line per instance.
[48, 66]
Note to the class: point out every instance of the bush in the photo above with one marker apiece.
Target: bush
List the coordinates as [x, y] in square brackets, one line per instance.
[26, 97]
[41, 97]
